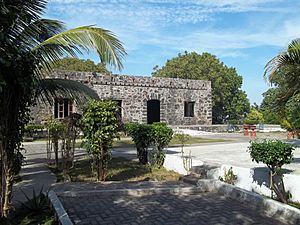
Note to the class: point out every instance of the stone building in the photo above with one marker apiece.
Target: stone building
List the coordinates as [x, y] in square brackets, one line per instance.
[142, 99]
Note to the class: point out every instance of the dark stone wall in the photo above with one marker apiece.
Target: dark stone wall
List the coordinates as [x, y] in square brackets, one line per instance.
[135, 91]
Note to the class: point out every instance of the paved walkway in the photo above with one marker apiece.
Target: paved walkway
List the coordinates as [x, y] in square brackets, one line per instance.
[113, 208]
[34, 174]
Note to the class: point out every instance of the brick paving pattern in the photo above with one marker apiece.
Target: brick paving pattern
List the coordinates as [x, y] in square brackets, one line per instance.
[166, 209]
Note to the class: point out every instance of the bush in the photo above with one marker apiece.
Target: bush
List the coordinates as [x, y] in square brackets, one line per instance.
[31, 128]
[100, 127]
[141, 136]
[273, 153]
[144, 135]
[162, 136]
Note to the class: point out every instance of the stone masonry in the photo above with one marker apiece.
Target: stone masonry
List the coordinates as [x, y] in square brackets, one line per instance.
[134, 92]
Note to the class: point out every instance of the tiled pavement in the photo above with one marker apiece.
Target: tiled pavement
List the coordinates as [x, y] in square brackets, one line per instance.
[109, 208]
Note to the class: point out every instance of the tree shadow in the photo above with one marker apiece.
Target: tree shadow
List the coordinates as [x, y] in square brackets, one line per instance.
[261, 176]
[167, 208]
[296, 160]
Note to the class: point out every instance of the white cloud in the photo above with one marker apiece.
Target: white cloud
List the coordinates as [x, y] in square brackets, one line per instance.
[152, 22]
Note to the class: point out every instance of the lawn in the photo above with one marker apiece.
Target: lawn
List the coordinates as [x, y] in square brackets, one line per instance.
[128, 143]
[119, 169]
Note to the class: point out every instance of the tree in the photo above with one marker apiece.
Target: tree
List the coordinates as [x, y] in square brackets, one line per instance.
[29, 44]
[269, 108]
[254, 117]
[284, 71]
[100, 127]
[273, 153]
[228, 99]
[293, 113]
[79, 65]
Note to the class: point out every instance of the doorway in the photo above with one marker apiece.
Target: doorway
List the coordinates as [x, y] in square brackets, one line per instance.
[153, 111]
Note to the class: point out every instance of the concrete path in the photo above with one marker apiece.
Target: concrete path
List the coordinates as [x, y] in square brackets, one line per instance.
[232, 153]
[34, 174]
[235, 154]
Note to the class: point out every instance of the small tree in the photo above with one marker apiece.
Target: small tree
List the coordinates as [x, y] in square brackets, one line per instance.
[71, 132]
[55, 130]
[273, 153]
[162, 136]
[100, 125]
[141, 136]
[183, 139]
[254, 117]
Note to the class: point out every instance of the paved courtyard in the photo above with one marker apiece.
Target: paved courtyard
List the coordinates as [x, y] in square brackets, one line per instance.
[160, 208]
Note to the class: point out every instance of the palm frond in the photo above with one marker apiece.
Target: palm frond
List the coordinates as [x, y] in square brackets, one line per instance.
[17, 15]
[104, 42]
[40, 30]
[55, 88]
[289, 57]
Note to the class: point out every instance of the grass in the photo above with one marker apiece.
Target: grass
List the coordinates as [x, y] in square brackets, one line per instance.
[128, 143]
[295, 204]
[119, 169]
[197, 140]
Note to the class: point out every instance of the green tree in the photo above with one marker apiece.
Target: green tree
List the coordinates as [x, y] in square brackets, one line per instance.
[228, 99]
[29, 43]
[56, 130]
[75, 64]
[100, 127]
[273, 153]
[269, 108]
[254, 117]
[293, 112]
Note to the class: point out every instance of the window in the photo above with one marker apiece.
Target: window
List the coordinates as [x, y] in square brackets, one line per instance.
[63, 107]
[189, 109]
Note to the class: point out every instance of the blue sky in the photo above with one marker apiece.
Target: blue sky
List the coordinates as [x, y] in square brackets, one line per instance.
[244, 34]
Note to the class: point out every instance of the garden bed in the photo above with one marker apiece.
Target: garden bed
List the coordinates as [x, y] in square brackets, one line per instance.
[119, 169]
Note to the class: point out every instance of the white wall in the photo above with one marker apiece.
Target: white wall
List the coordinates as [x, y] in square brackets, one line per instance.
[252, 179]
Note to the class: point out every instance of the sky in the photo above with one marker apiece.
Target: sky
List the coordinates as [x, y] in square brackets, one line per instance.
[244, 34]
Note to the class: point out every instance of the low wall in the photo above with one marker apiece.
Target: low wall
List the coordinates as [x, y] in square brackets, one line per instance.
[219, 128]
[251, 179]
[257, 180]
[175, 162]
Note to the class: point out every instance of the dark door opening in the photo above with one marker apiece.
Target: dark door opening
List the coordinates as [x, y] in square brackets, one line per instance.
[153, 111]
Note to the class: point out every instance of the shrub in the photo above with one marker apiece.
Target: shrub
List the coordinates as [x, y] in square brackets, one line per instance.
[144, 135]
[100, 127]
[31, 128]
[141, 136]
[162, 136]
[229, 176]
[273, 153]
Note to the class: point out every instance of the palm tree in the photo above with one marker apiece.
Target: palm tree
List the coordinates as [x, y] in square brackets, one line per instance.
[28, 45]
[284, 71]
[290, 57]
